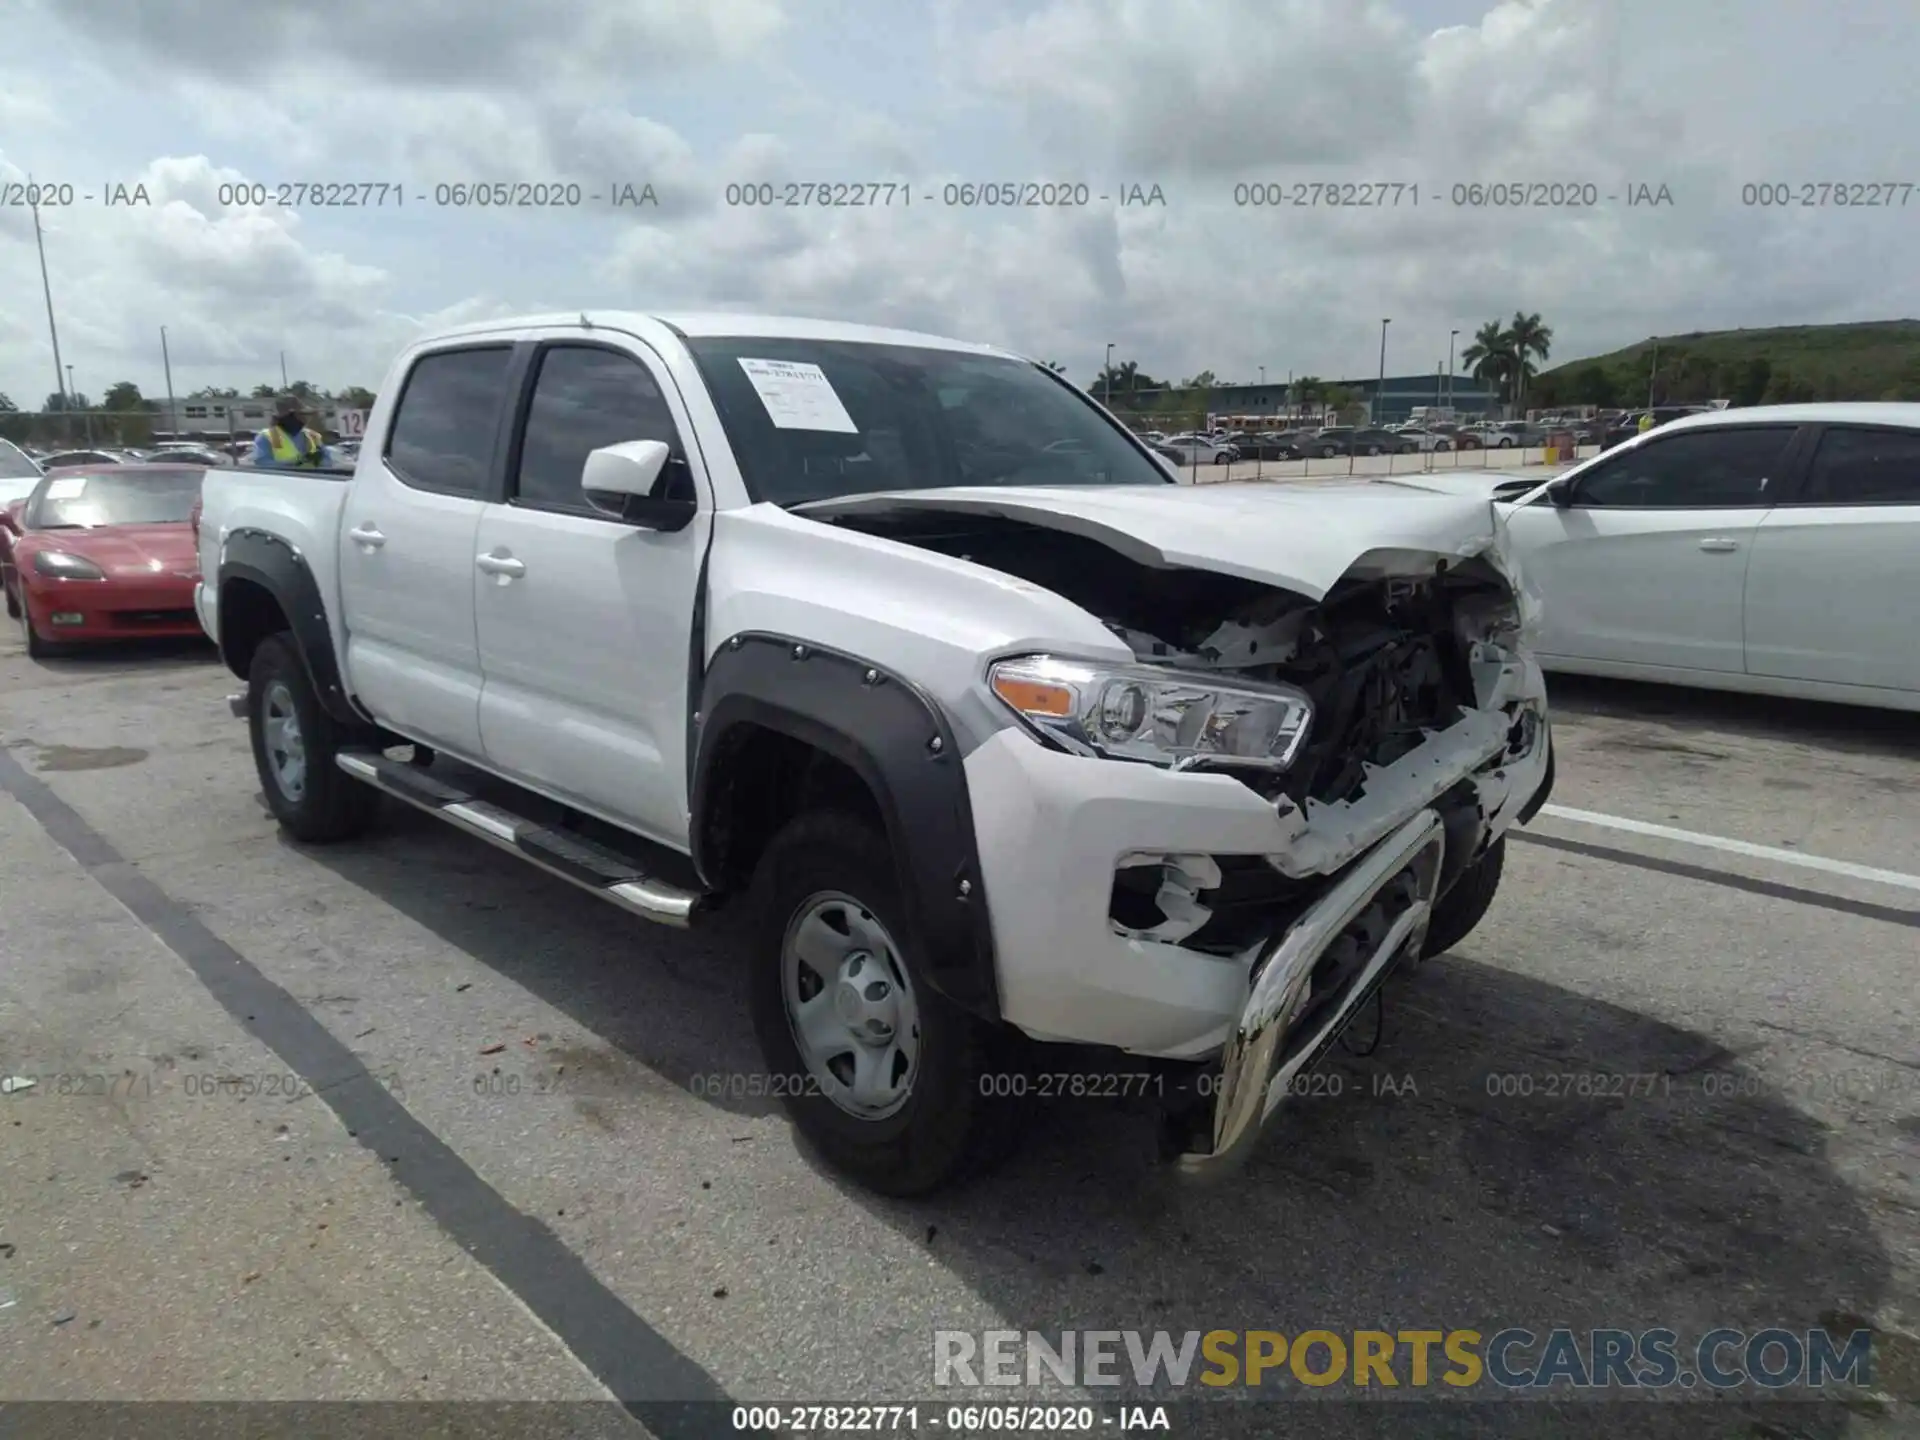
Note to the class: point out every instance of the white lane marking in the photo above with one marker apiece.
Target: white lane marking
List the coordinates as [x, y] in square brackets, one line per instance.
[1734, 847]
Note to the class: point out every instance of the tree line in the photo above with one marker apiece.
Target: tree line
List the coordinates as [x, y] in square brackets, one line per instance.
[124, 416]
[1502, 356]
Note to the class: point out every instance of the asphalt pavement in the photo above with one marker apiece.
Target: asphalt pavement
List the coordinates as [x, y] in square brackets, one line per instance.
[404, 1120]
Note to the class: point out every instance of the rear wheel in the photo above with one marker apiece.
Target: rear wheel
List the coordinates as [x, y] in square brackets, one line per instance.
[880, 1073]
[294, 744]
[1464, 906]
[13, 604]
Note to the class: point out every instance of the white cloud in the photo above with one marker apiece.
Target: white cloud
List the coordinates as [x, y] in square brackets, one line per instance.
[1195, 95]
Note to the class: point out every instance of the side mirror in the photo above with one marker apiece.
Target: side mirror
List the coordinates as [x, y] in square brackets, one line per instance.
[1561, 495]
[623, 480]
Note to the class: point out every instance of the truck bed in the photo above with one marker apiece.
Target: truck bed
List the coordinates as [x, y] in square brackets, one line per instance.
[302, 507]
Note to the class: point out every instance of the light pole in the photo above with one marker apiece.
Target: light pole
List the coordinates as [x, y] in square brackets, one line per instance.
[283, 371]
[46, 286]
[73, 398]
[1452, 335]
[1651, 373]
[173, 412]
[1106, 378]
[1380, 385]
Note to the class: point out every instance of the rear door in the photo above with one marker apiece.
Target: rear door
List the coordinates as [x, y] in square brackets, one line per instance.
[407, 545]
[1833, 589]
[1647, 564]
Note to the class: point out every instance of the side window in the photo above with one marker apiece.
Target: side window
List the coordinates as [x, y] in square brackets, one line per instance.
[1866, 467]
[584, 398]
[442, 435]
[1704, 470]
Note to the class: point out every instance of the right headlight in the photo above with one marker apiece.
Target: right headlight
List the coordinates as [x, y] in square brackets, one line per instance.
[1181, 720]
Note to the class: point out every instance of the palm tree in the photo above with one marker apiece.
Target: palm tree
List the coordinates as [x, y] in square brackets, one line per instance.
[1307, 389]
[1527, 338]
[1490, 359]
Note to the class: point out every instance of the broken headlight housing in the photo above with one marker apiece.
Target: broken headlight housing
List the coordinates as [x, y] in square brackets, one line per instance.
[1157, 716]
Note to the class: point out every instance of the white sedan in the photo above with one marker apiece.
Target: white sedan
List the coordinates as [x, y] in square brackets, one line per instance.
[1425, 439]
[1199, 450]
[1770, 550]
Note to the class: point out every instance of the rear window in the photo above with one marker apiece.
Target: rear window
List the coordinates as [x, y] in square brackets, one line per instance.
[1866, 467]
[820, 419]
[443, 432]
[120, 496]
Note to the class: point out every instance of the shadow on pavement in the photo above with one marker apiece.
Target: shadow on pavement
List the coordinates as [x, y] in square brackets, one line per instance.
[1856, 728]
[1419, 1191]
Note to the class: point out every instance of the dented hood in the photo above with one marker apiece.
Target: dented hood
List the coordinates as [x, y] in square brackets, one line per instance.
[1299, 535]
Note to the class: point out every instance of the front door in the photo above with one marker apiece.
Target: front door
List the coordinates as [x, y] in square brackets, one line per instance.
[584, 620]
[1647, 563]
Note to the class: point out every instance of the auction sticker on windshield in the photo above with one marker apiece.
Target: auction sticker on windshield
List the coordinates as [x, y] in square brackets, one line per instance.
[798, 396]
[67, 487]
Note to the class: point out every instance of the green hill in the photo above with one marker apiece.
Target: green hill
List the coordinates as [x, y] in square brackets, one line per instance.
[1875, 360]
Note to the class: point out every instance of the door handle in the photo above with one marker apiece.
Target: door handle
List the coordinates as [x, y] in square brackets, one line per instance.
[367, 535]
[504, 566]
[1719, 542]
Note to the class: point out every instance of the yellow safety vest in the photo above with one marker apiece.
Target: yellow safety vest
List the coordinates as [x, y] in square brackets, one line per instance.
[1646, 423]
[285, 452]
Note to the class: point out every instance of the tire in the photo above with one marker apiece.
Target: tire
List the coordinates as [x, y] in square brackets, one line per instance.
[1223, 458]
[13, 604]
[1465, 905]
[1327, 452]
[326, 805]
[37, 647]
[940, 1130]
[1373, 449]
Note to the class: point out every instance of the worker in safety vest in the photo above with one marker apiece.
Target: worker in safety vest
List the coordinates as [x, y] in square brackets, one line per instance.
[1646, 422]
[287, 444]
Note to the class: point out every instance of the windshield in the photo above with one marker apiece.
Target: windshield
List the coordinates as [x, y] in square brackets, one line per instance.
[819, 419]
[114, 497]
[14, 464]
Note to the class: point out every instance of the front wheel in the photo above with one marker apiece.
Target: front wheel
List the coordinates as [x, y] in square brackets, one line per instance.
[37, 647]
[879, 1072]
[1465, 905]
[1223, 458]
[294, 744]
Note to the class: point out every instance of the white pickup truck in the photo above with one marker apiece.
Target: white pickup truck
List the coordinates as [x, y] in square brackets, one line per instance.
[1007, 736]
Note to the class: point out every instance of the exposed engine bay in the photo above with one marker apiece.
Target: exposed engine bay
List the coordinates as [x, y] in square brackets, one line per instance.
[1385, 657]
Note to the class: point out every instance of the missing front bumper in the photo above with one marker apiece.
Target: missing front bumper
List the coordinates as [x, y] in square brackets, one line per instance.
[1285, 1028]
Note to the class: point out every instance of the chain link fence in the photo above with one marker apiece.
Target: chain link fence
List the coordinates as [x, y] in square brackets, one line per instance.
[50, 431]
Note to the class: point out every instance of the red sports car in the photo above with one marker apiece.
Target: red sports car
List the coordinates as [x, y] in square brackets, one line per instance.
[106, 553]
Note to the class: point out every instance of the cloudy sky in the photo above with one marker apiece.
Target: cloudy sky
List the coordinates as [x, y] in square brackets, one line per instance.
[1197, 97]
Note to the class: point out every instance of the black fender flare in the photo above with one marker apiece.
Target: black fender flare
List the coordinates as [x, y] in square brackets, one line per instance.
[276, 566]
[897, 740]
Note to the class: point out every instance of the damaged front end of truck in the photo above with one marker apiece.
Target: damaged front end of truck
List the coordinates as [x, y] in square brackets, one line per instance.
[1422, 736]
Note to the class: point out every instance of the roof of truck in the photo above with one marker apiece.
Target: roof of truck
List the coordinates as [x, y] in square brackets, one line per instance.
[716, 323]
